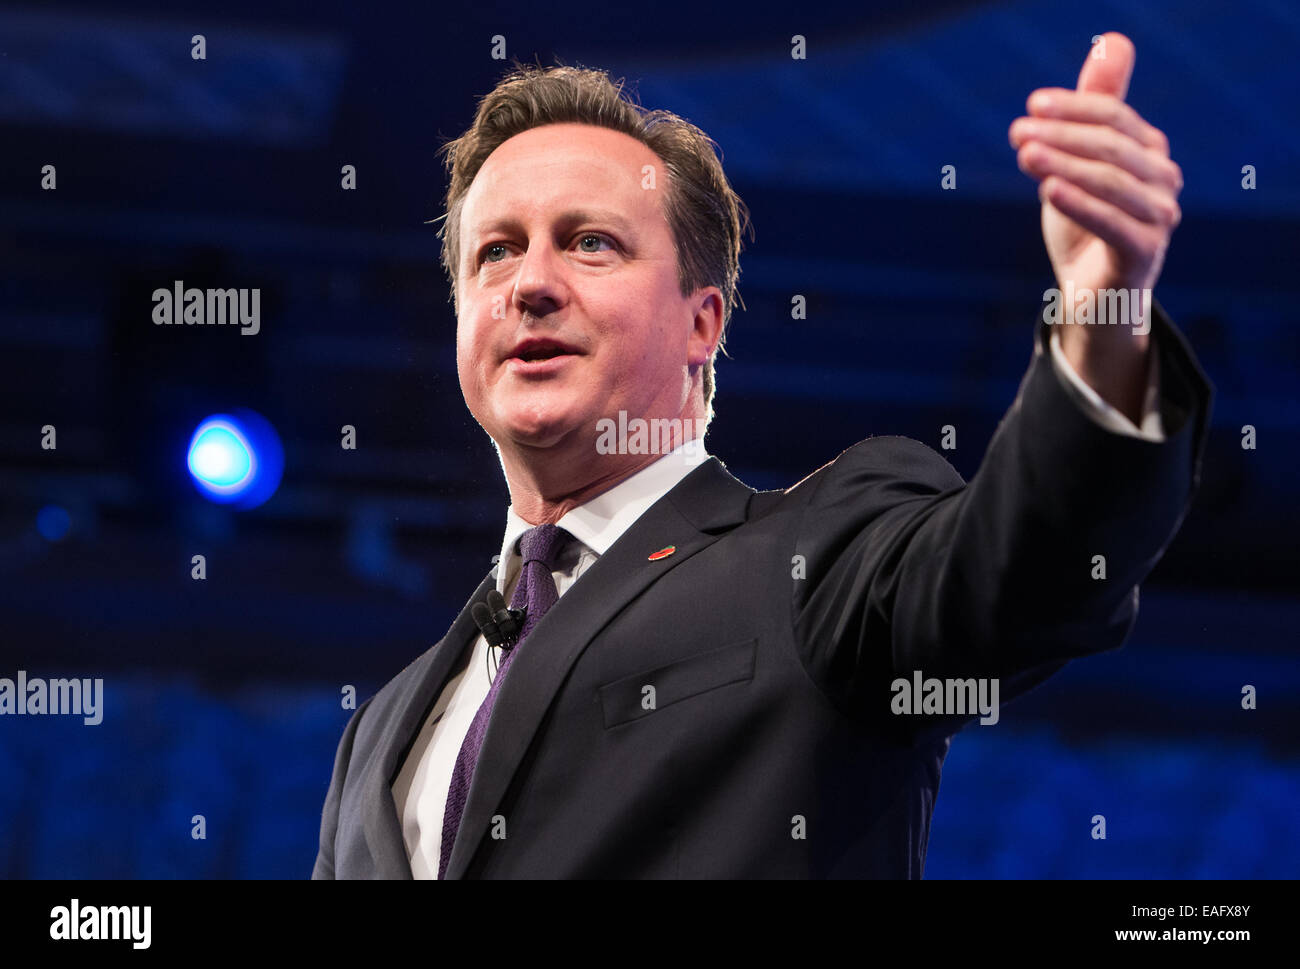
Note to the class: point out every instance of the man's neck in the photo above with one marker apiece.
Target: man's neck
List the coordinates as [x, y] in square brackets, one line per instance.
[546, 484]
[539, 497]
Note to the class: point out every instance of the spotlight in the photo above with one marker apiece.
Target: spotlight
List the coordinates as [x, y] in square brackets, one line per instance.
[236, 459]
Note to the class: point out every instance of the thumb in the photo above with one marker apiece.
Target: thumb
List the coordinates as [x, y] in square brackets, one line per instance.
[1109, 66]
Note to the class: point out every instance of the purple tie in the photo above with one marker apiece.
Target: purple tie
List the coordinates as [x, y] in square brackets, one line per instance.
[536, 590]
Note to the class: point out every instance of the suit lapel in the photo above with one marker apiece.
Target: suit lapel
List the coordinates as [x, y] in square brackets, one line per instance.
[382, 822]
[703, 506]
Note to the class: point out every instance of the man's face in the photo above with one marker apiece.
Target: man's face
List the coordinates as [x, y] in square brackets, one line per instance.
[569, 307]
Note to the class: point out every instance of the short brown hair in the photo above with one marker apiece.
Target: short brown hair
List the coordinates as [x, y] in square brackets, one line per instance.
[705, 215]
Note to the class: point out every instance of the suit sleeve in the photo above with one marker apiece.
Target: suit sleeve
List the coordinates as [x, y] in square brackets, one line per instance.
[907, 568]
[329, 822]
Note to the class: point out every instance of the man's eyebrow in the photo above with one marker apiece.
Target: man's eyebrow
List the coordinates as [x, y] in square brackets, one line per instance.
[570, 217]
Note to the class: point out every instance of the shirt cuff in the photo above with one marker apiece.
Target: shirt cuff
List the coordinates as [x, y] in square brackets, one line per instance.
[1151, 428]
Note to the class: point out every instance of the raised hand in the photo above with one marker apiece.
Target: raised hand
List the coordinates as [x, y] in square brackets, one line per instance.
[1109, 192]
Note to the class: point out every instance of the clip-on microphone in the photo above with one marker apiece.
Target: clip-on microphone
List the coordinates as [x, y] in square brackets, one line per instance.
[500, 626]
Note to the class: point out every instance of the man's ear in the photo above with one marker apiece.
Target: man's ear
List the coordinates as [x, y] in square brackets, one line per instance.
[707, 328]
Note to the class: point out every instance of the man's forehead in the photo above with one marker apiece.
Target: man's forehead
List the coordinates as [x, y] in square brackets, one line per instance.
[572, 214]
[547, 143]
[576, 166]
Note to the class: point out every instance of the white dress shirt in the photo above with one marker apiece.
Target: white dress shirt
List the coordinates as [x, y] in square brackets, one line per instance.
[420, 790]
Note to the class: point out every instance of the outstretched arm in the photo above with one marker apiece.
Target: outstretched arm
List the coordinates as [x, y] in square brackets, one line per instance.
[1038, 559]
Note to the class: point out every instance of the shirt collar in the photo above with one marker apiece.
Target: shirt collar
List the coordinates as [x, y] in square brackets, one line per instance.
[599, 522]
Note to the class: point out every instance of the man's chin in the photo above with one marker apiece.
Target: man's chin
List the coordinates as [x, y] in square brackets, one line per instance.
[542, 433]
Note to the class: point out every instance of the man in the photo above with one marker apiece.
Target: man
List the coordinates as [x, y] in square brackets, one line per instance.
[700, 680]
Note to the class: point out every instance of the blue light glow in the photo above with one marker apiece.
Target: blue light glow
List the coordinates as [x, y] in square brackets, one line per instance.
[236, 459]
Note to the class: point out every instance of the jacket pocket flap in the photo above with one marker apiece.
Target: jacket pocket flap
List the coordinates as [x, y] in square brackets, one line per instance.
[641, 694]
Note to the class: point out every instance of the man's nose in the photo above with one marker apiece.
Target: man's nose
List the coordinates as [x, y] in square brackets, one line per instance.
[539, 286]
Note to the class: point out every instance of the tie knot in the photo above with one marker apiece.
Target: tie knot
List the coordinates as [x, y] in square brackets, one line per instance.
[543, 544]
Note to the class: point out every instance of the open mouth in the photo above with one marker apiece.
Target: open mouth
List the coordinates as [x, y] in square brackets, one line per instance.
[540, 353]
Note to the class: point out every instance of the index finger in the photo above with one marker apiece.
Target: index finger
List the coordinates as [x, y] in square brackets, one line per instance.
[1093, 108]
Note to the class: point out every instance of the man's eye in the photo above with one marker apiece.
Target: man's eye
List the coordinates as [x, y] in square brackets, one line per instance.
[598, 238]
[583, 239]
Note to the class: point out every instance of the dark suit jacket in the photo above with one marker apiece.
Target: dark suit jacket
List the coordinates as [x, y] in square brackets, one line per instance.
[771, 637]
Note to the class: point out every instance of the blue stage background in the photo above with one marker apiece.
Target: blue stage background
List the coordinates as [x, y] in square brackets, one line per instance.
[222, 697]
